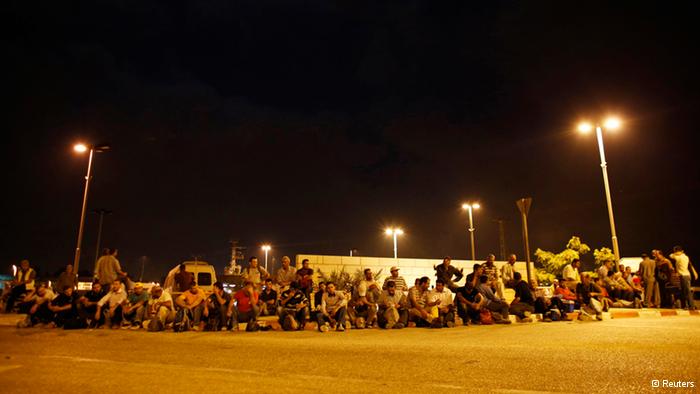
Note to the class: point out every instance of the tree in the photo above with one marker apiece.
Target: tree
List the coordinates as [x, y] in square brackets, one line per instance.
[554, 263]
[603, 255]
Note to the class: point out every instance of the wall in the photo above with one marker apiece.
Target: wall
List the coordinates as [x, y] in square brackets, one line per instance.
[410, 268]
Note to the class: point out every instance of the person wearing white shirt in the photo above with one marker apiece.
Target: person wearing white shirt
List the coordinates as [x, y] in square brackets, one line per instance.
[571, 275]
[114, 299]
[683, 267]
[444, 305]
[508, 270]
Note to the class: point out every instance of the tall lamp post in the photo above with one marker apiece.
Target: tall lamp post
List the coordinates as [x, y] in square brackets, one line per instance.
[266, 249]
[470, 207]
[102, 213]
[82, 148]
[609, 124]
[395, 232]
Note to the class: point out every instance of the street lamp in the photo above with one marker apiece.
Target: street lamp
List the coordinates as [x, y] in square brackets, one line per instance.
[395, 232]
[82, 148]
[608, 124]
[266, 249]
[470, 207]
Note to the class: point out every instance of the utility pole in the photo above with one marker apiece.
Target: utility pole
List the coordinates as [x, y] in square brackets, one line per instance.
[524, 208]
[501, 237]
[102, 213]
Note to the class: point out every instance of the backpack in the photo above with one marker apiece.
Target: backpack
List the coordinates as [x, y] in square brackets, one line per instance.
[155, 325]
[485, 317]
[182, 321]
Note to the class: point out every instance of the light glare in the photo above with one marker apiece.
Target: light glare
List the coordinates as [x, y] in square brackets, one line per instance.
[80, 148]
[612, 123]
[585, 127]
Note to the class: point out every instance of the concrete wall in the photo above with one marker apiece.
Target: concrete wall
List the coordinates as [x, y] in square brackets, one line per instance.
[410, 268]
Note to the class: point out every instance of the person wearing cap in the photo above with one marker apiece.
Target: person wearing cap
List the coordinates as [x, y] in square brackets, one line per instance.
[194, 301]
[448, 273]
[135, 308]
[399, 281]
[293, 305]
[393, 307]
[160, 308]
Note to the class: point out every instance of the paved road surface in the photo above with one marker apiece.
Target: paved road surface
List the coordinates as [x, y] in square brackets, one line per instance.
[620, 355]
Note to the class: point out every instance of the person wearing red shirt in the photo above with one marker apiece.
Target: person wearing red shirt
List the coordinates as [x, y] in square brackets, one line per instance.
[246, 308]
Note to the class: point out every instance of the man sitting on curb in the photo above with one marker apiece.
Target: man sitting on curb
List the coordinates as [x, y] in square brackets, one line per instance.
[364, 305]
[333, 309]
[87, 304]
[444, 306]
[135, 308]
[492, 302]
[523, 304]
[160, 309]
[246, 309]
[65, 309]
[217, 306]
[194, 302]
[293, 305]
[469, 303]
[420, 304]
[586, 293]
[114, 300]
[393, 311]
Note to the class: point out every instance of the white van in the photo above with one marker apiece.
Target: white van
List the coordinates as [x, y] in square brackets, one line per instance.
[204, 275]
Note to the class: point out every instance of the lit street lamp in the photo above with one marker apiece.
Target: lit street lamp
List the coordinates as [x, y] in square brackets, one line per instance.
[609, 124]
[266, 249]
[470, 207]
[395, 232]
[82, 148]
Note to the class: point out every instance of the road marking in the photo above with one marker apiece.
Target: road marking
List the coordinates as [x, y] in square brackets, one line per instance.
[9, 368]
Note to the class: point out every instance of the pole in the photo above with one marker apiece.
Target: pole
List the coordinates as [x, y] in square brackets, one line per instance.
[501, 238]
[265, 259]
[471, 234]
[76, 261]
[524, 207]
[396, 245]
[99, 235]
[604, 166]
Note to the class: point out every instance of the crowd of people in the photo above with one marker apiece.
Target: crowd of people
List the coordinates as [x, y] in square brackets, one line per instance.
[292, 298]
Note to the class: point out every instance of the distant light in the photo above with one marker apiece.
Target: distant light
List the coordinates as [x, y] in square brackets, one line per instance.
[393, 231]
[80, 148]
[398, 231]
[476, 205]
[465, 206]
[14, 270]
[612, 123]
[266, 247]
[388, 231]
[585, 127]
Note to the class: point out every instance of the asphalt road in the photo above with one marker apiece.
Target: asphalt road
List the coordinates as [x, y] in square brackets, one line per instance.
[620, 355]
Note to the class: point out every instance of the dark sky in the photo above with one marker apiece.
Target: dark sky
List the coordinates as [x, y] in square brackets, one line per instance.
[313, 125]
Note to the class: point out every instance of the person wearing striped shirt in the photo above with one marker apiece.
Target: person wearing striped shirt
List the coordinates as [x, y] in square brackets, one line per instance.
[399, 281]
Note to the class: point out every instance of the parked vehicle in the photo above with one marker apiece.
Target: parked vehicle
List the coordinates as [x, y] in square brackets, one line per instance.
[204, 275]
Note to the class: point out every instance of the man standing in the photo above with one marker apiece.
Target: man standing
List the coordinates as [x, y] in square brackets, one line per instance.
[571, 276]
[108, 269]
[664, 268]
[393, 308]
[22, 284]
[448, 274]
[114, 300]
[246, 309]
[508, 270]
[293, 308]
[183, 278]
[445, 305]
[285, 275]
[523, 305]
[399, 282]
[67, 278]
[255, 273]
[683, 267]
[194, 302]
[333, 308]
[305, 278]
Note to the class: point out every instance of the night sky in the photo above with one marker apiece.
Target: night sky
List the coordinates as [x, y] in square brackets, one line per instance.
[313, 125]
